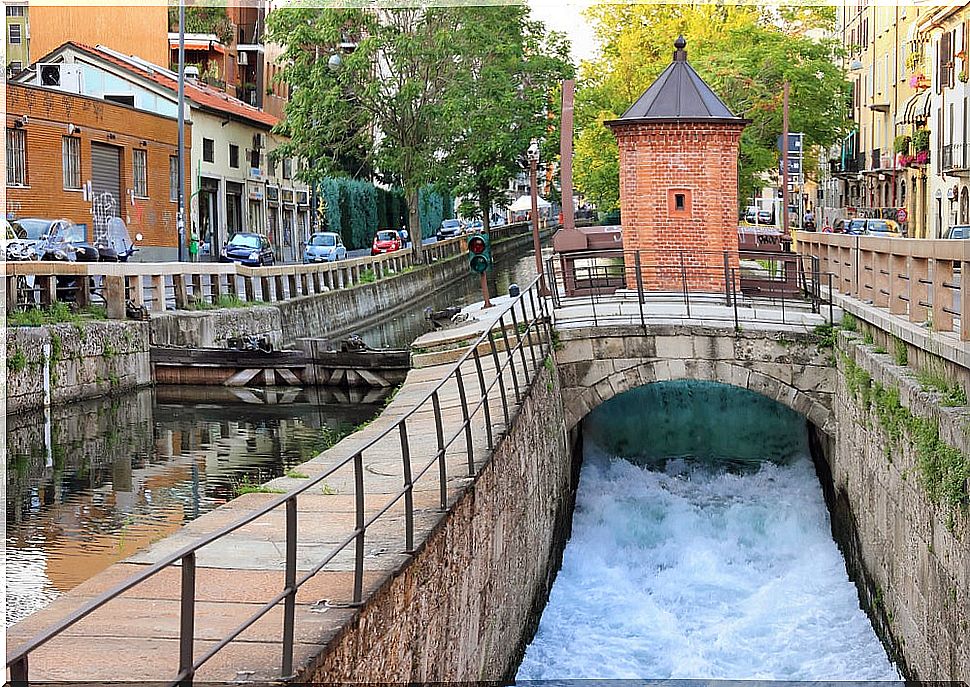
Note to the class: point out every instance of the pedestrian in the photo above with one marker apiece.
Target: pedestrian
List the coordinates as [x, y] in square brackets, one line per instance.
[403, 235]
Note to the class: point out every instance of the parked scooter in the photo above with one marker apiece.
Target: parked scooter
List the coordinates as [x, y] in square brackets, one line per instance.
[116, 245]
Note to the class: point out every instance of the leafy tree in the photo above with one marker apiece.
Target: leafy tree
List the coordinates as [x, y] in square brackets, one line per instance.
[511, 72]
[745, 53]
[395, 82]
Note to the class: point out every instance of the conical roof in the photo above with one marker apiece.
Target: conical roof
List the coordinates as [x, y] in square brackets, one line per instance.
[679, 94]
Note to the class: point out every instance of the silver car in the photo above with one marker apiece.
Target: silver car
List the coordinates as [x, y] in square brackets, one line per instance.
[324, 246]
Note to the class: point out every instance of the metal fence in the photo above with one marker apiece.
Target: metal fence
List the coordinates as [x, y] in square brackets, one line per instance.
[608, 287]
[492, 376]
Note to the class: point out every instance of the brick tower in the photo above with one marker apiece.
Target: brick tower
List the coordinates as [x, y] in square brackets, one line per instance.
[679, 181]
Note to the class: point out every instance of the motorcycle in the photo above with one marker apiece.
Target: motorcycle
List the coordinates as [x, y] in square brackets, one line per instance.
[116, 245]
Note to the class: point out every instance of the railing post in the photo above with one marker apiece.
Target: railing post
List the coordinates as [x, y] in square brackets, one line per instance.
[727, 275]
[408, 488]
[481, 383]
[964, 300]
[501, 377]
[158, 286]
[831, 302]
[187, 620]
[640, 297]
[942, 275]
[918, 291]
[518, 336]
[467, 422]
[114, 295]
[359, 521]
[528, 331]
[289, 581]
[683, 281]
[440, 434]
[511, 354]
[734, 298]
[181, 292]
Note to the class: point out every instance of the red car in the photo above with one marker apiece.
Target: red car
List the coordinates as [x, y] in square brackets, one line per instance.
[385, 241]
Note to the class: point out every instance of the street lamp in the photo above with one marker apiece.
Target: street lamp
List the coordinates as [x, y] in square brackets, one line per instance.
[335, 62]
[533, 157]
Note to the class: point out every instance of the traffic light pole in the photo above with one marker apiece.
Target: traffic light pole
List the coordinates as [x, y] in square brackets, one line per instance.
[488, 303]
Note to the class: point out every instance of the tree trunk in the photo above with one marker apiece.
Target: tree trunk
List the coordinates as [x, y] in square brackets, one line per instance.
[414, 224]
[485, 205]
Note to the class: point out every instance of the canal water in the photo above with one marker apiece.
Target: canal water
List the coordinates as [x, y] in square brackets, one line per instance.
[701, 549]
[92, 483]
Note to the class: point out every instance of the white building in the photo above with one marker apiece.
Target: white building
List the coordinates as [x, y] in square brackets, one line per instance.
[232, 187]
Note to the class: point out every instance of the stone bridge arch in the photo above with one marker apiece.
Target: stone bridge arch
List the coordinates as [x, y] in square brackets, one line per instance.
[783, 364]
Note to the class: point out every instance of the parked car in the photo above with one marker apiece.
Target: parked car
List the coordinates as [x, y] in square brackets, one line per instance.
[885, 228]
[766, 217]
[476, 226]
[751, 215]
[252, 250]
[324, 246]
[35, 229]
[959, 231]
[449, 229]
[856, 227]
[386, 241]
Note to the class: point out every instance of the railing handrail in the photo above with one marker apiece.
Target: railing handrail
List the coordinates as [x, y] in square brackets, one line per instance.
[41, 638]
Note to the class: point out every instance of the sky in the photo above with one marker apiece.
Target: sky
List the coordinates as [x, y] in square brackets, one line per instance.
[564, 15]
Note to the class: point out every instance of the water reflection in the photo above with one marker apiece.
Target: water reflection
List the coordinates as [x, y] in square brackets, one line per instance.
[92, 483]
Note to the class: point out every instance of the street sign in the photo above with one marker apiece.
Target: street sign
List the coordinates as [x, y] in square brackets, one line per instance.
[794, 166]
[795, 142]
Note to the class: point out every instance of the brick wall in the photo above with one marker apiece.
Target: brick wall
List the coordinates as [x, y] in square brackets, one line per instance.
[48, 114]
[699, 161]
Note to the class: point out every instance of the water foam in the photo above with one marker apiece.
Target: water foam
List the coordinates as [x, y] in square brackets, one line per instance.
[690, 571]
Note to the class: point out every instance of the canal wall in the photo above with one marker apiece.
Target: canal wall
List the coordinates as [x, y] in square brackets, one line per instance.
[61, 363]
[331, 314]
[463, 608]
[896, 476]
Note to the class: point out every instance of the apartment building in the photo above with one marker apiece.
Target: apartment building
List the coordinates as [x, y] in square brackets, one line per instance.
[236, 181]
[72, 156]
[880, 169]
[17, 36]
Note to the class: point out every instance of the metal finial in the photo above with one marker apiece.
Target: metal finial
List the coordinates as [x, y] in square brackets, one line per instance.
[680, 54]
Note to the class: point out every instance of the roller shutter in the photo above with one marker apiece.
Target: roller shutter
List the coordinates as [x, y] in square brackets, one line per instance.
[105, 178]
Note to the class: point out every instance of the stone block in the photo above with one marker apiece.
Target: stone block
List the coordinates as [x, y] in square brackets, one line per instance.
[675, 347]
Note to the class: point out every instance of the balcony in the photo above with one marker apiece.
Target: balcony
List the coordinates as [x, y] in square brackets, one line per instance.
[875, 160]
[955, 158]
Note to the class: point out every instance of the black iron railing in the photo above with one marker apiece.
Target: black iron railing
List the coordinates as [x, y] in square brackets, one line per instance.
[504, 361]
[607, 287]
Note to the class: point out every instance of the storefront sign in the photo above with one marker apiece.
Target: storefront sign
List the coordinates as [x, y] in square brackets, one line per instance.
[255, 191]
[288, 196]
[272, 195]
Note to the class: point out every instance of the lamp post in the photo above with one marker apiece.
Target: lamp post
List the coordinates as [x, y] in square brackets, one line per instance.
[180, 221]
[533, 156]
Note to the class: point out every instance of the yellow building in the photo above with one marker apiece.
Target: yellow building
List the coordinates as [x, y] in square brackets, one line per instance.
[135, 29]
[880, 172]
[17, 32]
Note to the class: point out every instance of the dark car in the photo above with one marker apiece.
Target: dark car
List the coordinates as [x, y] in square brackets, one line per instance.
[449, 228]
[856, 227]
[252, 250]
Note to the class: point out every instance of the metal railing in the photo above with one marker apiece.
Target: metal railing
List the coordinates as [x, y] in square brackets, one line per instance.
[917, 279]
[612, 287]
[515, 345]
[173, 285]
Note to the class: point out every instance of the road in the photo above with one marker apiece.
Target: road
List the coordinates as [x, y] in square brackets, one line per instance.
[362, 252]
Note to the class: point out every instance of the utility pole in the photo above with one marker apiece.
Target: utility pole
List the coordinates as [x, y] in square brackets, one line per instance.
[181, 152]
[784, 162]
[533, 156]
[566, 155]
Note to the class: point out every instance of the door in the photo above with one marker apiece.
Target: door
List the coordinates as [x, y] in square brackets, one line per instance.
[107, 199]
[209, 215]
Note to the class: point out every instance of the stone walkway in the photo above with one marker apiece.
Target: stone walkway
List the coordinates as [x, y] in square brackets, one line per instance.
[135, 636]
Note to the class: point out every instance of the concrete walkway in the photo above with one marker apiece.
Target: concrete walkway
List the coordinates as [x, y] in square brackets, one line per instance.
[135, 637]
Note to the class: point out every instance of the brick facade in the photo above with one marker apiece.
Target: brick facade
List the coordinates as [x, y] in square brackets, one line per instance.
[52, 115]
[660, 161]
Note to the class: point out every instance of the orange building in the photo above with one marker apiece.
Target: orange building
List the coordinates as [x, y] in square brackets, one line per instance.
[134, 29]
[64, 151]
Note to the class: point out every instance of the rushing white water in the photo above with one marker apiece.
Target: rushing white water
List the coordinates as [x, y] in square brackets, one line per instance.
[691, 571]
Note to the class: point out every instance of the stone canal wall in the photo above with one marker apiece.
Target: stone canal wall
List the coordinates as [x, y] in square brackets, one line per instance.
[464, 606]
[897, 490]
[61, 363]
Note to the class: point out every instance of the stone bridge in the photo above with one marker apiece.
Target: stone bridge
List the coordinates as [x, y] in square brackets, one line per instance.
[783, 362]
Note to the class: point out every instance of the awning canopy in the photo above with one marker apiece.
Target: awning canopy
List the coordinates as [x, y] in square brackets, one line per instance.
[916, 109]
[524, 204]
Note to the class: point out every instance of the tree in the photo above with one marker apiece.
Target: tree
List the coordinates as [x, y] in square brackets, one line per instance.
[511, 72]
[385, 97]
[744, 52]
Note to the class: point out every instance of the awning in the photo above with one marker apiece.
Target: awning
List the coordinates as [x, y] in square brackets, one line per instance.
[916, 109]
[524, 203]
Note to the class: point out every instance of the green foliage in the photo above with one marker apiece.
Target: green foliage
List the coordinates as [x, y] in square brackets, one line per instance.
[901, 144]
[954, 395]
[921, 140]
[55, 314]
[224, 301]
[826, 334]
[367, 276]
[205, 16]
[744, 52]
[944, 471]
[900, 352]
[246, 486]
[849, 322]
[17, 362]
[867, 337]
[296, 474]
[109, 351]
[879, 349]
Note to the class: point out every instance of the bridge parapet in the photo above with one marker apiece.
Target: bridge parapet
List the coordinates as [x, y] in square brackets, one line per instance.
[784, 363]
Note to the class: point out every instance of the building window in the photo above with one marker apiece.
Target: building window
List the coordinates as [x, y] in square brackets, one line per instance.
[173, 177]
[287, 167]
[679, 202]
[233, 156]
[15, 11]
[15, 35]
[16, 158]
[208, 150]
[16, 67]
[255, 160]
[71, 161]
[139, 165]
